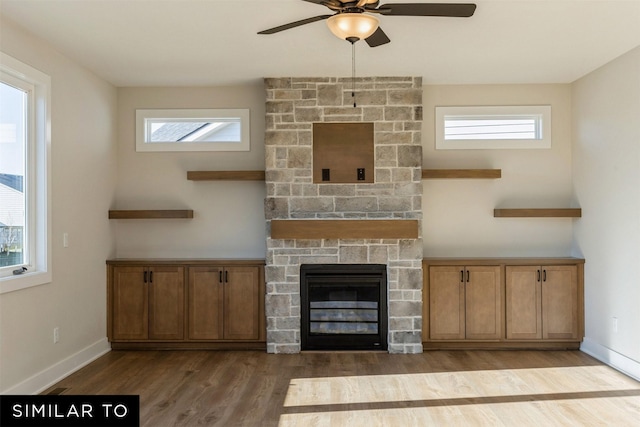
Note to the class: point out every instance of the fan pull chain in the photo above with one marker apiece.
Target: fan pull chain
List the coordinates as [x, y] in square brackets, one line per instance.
[353, 73]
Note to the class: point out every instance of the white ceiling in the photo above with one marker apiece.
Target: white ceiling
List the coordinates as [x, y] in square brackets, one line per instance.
[214, 42]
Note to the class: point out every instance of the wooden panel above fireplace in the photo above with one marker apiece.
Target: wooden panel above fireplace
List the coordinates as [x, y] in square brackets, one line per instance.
[343, 153]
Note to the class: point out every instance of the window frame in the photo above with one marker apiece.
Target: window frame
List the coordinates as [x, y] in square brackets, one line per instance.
[142, 115]
[37, 179]
[541, 112]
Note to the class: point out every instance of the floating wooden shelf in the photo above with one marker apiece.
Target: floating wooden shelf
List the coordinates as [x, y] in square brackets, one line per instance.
[260, 175]
[538, 213]
[461, 173]
[344, 229]
[225, 175]
[150, 214]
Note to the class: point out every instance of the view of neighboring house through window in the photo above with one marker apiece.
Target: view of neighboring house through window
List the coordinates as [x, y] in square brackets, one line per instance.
[13, 148]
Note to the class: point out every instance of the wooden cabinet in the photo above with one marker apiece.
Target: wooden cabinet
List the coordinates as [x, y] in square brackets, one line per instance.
[241, 303]
[130, 304]
[560, 303]
[148, 303]
[205, 303]
[523, 303]
[186, 304]
[503, 303]
[465, 303]
[542, 302]
[224, 303]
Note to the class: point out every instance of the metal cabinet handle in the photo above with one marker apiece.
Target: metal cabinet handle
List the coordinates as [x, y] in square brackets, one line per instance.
[468, 276]
[226, 276]
[151, 277]
[544, 275]
[538, 275]
[144, 277]
[220, 276]
[462, 276]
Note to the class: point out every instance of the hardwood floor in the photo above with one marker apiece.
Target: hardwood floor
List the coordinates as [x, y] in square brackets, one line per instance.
[441, 388]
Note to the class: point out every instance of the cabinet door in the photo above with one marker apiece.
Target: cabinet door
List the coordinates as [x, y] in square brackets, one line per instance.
[560, 302]
[523, 295]
[483, 303]
[166, 303]
[205, 303]
[446, 303]
[241, 303]
[129, 304]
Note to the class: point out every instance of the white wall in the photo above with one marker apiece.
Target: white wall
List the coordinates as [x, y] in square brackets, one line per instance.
[606, 159]
[458, 213]
[83, 167]
[228, 216]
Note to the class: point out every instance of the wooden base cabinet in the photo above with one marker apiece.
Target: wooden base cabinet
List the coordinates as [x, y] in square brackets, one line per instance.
[148, 303]
[542, 302]
[465, 303]
[503, 303]
[224, 303]
[186, 304]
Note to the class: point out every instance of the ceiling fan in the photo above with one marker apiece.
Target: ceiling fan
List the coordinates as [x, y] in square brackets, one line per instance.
[354, 20]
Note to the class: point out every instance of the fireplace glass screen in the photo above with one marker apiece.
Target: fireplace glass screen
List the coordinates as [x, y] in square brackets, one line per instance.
[340, 308]
[343, 306]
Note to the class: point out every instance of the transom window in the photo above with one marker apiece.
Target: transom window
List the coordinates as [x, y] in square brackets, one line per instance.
[493, 127]
[192, 130]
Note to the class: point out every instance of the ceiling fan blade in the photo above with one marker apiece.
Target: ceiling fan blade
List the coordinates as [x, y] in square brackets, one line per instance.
[377, 38]
[328, 3]
[457, 10]
[294, 24]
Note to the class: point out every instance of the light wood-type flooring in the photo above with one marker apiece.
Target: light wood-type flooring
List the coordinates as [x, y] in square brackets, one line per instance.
[436, 388]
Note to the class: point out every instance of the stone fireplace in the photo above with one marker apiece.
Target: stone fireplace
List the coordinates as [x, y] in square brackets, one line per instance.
[394, 106]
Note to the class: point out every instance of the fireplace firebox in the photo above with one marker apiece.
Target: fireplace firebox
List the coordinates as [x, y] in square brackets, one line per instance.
[343, 306]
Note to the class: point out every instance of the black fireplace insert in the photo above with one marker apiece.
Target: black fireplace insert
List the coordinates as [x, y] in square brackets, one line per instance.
[343, 306]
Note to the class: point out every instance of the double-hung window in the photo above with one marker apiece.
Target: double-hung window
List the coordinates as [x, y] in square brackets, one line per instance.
[25, 255]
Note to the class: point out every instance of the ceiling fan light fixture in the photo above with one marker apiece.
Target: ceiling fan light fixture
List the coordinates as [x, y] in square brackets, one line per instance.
[352, 25]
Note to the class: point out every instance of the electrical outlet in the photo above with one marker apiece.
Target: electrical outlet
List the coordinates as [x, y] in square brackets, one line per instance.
[56, 335]
[615, 325]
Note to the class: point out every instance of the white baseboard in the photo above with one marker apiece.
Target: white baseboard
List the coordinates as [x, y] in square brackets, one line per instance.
[616, 360]
[48, 377]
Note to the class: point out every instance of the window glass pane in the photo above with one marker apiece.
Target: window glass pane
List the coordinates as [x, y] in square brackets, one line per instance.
[190, 130]
[491, 128]
[13, 137]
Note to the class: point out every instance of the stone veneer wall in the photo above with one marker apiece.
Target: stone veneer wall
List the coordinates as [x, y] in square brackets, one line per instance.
[394, 105]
